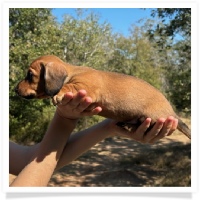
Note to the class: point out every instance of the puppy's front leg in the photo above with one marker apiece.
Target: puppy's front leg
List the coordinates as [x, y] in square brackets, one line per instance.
[57, 99]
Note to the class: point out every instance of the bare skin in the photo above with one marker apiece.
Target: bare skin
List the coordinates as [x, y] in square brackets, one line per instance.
[34, 165]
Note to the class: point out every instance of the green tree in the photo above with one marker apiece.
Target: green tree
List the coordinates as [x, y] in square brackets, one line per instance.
[136, 56]
[179, 21]
[86, 41]
[172, 36]
[33, 32]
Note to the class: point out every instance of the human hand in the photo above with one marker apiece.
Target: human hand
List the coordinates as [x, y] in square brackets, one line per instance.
[163, 127]
[73, 106]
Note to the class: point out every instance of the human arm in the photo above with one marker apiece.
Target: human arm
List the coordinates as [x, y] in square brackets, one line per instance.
[163, 127]
[82, 141]
[39, 161]
[46, 155]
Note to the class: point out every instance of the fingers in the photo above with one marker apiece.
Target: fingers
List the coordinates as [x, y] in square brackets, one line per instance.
[79, 102]
[145, 125]
[174, 127]
[161, 129]
[74, 99]
[154, 132]
[67, 98]
[138, 135]
[94, 111]
[82, 103]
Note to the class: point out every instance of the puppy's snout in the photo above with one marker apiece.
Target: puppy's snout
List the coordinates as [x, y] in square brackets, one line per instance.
[24, 92]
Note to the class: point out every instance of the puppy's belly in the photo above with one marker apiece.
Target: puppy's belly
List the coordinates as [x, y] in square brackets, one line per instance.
[126, 111]
[120, 112]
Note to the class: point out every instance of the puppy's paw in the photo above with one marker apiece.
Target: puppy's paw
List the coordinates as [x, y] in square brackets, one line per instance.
[57, 99]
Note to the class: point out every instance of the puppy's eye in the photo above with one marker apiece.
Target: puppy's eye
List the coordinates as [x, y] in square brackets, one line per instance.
[29, 76]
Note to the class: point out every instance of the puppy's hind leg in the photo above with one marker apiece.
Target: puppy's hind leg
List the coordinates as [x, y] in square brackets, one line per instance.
[132, 125]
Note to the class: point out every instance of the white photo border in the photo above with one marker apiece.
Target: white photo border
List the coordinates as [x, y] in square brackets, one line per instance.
[5, 97]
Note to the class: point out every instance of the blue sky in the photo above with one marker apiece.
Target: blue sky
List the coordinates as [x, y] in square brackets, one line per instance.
[119, 18]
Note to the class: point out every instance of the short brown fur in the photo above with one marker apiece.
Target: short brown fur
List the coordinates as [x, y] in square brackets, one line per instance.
[122, 97]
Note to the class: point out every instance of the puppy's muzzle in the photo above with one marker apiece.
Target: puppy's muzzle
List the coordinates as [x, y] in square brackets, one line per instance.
[18, 92]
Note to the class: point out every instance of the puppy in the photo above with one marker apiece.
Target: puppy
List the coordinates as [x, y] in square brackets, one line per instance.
[124, 98]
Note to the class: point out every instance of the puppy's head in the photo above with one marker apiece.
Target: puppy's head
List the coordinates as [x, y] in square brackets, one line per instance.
[45, 78]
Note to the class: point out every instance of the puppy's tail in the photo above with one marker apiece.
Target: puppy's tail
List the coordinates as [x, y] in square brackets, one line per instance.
[184, 128]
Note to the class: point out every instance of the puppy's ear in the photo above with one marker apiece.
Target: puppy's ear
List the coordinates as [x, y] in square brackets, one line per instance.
[54, 77]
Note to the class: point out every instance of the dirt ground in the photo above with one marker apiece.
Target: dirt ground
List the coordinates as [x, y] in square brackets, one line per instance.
[123, 162]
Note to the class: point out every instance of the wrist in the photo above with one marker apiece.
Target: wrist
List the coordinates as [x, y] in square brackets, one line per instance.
[61, 125]
[66, 118]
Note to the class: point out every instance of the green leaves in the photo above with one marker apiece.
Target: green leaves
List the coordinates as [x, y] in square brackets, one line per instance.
[85, 40]
[149, 53]
[177, 53]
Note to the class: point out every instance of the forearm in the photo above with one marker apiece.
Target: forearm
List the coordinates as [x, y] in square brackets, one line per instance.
[46, 155]
[82, 141]
[19, 156]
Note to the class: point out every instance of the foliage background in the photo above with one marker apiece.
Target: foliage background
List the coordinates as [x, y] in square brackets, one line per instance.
[151, 52]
